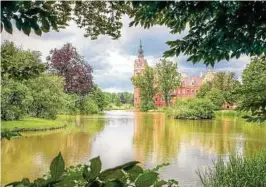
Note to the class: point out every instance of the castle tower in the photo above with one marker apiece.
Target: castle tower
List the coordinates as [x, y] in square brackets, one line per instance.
[139, 67]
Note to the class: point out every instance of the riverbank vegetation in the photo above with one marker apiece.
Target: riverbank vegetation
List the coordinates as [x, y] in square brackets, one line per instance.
[238, 171]
[34, 93]
[192, 109]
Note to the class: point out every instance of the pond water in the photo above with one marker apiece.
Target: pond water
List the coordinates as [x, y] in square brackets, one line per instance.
[121, 136]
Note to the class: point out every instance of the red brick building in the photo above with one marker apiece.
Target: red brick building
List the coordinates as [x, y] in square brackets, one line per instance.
[188, 89]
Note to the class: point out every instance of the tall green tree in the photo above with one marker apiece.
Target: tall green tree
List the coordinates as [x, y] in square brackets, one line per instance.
[145, 81]
[252, 92]
[20, 64]
[48, 96]
[168, 78]
[99, 97]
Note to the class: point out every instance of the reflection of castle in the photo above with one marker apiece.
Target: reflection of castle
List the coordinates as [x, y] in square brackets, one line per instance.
[189, 88]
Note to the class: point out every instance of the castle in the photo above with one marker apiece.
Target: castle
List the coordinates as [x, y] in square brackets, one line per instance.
[188, 89]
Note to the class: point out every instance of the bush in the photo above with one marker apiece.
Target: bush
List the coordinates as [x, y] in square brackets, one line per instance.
[145, 106]
[193, 109]
[238, 171]
[48, 96]
[15, 99]
[90, 106]
[216, 97]
[128, 174]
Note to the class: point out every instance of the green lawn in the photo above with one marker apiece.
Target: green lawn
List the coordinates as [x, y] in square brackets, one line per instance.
[34, 123]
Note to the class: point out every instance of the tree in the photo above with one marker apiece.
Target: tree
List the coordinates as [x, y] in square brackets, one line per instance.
[95, 17]
[76, 71]
[20, 64]
[168, 78]
[252, 92]
[216, 97]
[99, 97]
[16, 99]
[145, 81]
[221, 89]
[215, 30]
[48, 96]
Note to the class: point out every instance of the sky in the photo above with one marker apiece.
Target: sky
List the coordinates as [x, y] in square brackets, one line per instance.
[113, 60]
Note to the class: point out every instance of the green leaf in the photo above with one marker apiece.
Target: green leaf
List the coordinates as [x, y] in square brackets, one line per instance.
[134, 172]
[160, 183]
[127, 166]
[111, 174]
[8, 26]
[95, 168]
[26, 28]
[114, 183]
[45, 25]
[86, 173]
[19, 24]
[57, 167]
[38, 31]
[146, 179]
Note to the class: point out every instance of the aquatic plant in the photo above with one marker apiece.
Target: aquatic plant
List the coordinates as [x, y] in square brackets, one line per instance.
[238, 171]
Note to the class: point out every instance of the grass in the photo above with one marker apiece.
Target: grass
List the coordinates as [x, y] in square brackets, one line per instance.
[34, 123]
[236, 172]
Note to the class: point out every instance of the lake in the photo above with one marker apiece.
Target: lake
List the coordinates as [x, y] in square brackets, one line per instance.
[121, 136]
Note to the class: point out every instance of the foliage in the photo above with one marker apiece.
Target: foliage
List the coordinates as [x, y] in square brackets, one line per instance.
[99, 98]
[216, 97]
[221, 89]
[88, 106]
[238, 171]
[145, 81]
[128, 174]
[213, 30]
[97, 18]
[168, 78]
[193, 109]
[20, 64]
[252, 92]
[47, 93]
[16, 99]
[77, 73]
[7, 134]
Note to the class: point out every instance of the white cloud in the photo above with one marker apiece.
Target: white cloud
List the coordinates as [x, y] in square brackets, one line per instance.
[113, 60]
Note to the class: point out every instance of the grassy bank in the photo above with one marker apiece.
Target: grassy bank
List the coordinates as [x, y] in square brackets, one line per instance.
[122, 107]
[34, 123]
[238, 171]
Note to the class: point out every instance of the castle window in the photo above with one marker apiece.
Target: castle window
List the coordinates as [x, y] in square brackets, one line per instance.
[187, 90]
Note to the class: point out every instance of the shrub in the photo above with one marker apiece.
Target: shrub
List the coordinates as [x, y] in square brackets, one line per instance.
[89, 106]
[145, 106]
[238, 171]
[15, 99]
[128, 174]
[48, 96]
[193, 109]
[216, 97]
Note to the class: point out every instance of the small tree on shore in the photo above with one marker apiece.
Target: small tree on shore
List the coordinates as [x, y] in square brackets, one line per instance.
[168, 78]
[145, 81]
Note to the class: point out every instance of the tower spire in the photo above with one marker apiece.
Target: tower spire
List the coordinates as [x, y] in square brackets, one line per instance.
[141, 52]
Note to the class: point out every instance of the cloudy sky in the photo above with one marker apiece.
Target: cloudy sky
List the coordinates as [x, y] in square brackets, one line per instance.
[112, 60]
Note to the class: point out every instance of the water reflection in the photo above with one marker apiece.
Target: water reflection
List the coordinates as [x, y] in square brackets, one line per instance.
[120, 136]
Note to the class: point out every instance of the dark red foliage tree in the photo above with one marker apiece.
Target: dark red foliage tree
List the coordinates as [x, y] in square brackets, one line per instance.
[67, 63]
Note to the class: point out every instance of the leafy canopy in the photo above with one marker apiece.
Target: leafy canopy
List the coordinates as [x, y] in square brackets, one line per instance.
[167, 78]
[213, 30]
[252, 92]
[145, 81]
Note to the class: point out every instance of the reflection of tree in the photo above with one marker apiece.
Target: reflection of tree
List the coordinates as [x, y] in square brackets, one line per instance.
[31, 156]
[156, 137]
